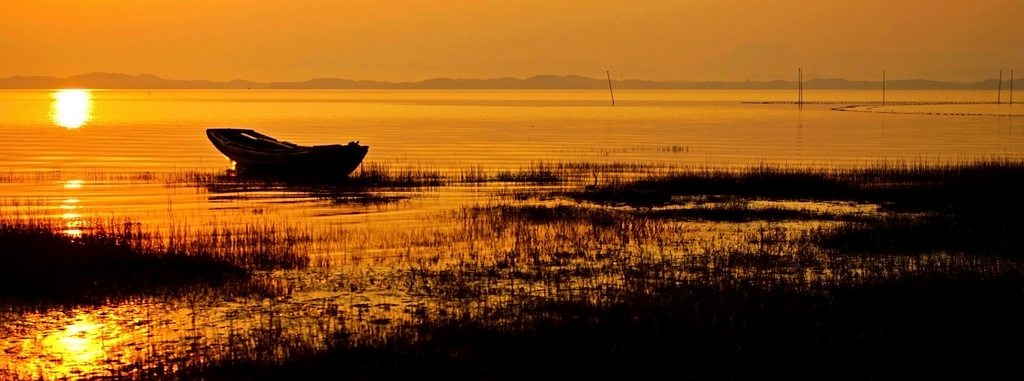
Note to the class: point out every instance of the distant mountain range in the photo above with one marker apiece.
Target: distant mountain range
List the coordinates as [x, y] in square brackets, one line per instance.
[540, 82]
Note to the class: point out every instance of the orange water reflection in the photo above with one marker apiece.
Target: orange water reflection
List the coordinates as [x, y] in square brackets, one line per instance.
[71, 108]
[72, 216]
[73, 184]
[80, 342]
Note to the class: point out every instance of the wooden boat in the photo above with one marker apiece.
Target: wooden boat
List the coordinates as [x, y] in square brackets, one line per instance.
[252, 151]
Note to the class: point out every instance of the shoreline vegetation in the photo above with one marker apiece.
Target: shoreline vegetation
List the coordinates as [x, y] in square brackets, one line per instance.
[539, 82]
[44, 267]
[604, 270]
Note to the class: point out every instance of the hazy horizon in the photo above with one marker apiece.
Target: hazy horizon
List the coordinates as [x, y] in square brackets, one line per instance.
[407, 41]
[553, 82]
[588, 76]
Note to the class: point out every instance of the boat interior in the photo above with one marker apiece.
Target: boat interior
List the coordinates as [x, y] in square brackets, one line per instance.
[257, 140]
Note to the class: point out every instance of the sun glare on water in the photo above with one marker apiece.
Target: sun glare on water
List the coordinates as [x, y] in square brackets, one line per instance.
[71, 213]
[71, 108]
[77, 343]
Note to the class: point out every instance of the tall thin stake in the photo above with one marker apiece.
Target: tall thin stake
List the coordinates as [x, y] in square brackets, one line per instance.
[999, 97]
[609, 74]
[1011, 86]
[883, 87]
[800, 86]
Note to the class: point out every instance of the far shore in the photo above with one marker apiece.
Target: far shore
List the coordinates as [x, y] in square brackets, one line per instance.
[538, 82]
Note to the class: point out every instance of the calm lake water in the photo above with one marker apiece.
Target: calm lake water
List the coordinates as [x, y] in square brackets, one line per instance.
[163, 130]
[83, 157]
[74, 153]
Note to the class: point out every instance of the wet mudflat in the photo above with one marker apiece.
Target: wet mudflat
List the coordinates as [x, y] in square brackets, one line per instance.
[694, 270]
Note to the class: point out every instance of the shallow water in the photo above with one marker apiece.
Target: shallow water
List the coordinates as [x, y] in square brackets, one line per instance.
[75, 153]
[85, 157]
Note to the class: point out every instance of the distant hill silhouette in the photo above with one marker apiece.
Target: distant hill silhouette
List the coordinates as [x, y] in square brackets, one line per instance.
[567, 82]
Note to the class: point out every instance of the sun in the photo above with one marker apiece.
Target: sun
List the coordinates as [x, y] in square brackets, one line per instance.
[71, 108]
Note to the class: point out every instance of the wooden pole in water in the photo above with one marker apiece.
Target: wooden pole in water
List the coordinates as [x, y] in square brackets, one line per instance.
[800, 86]
[1011, 86]
[883, 87]
[609, 74]
[999, 97]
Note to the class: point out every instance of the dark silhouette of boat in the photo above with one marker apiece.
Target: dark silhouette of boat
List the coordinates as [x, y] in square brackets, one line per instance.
[253, 151]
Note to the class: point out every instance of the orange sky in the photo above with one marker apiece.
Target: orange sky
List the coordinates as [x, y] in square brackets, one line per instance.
[398, 40]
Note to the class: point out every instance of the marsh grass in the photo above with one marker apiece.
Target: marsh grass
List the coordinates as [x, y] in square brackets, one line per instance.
[725, 314]
[910, 184]
[666, 270]
[370, 176]
[58, 174]
[967, 206]
[42, 264]
[733, 210]
[684, 276]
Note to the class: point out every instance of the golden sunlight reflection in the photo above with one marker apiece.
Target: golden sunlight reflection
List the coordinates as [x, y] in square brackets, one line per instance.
[73, 184]
[73, 222]
[73, 232]
[79, 343]
[70, 204]
[71, 108]
[85, 343]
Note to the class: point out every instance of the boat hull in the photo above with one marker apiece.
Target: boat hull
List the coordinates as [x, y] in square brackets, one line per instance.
[252, 151]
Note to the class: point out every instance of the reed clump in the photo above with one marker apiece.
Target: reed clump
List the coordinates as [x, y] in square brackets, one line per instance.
[43, 264]
[905, 183]
[968, 206]
[384, 175]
